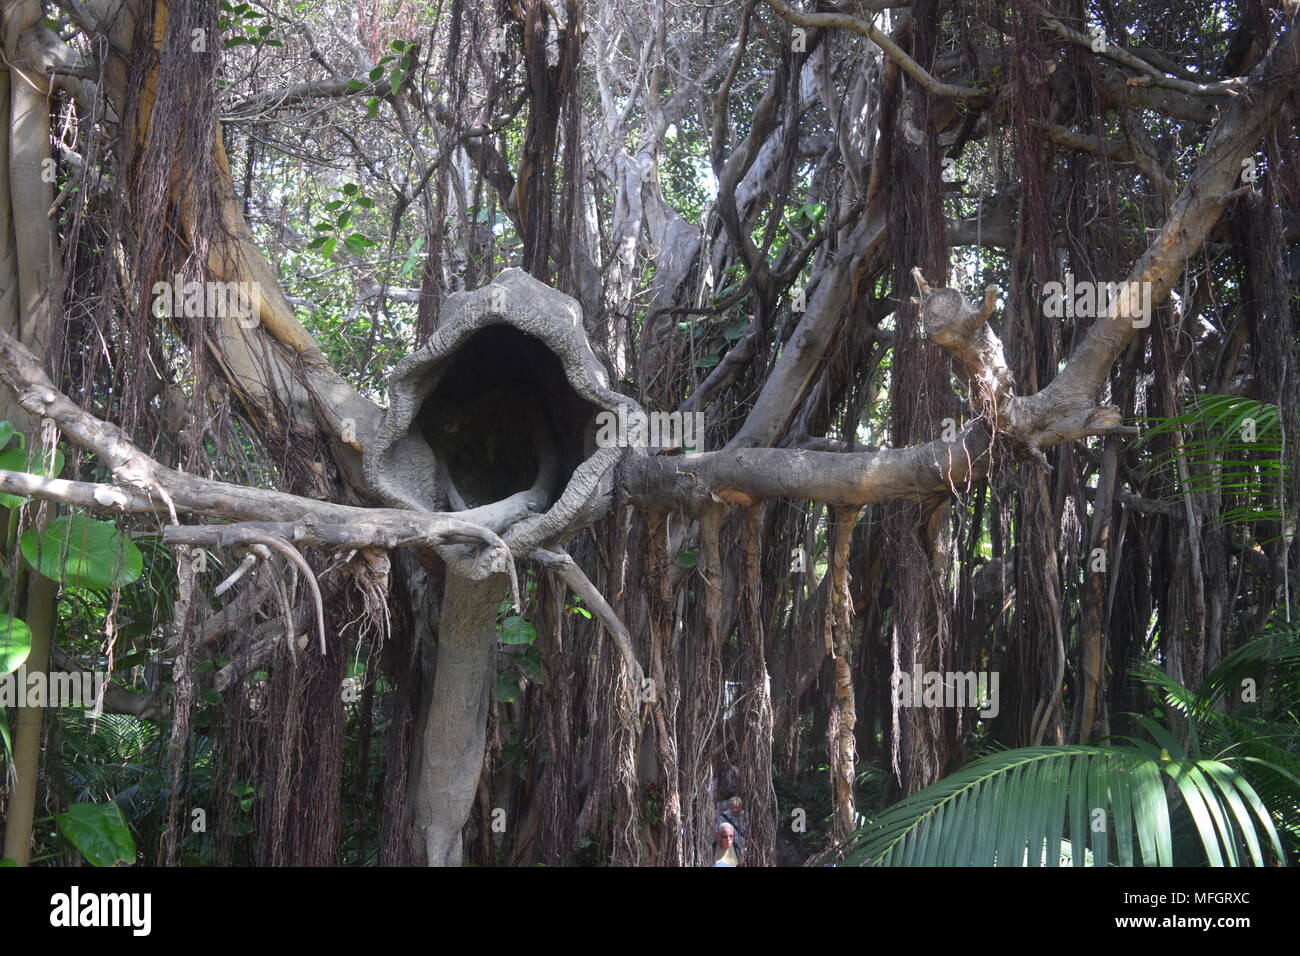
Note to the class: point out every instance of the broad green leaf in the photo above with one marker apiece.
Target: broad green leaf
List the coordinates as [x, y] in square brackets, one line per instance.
[79, 551]
[15, 459]
[99, 832]
[507, 688]
[15, 643]
[736, 330]
[516, 630]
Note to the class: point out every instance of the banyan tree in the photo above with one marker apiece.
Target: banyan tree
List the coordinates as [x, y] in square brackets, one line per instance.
[329, 307]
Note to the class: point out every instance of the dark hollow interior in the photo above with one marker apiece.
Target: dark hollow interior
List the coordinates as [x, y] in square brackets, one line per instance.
[502, 401]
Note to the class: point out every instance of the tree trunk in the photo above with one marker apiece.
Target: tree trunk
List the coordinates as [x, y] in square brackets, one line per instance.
[452, 739]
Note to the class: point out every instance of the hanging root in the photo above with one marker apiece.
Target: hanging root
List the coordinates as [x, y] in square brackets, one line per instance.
[562, 565]
[245, 566]
[219, 536]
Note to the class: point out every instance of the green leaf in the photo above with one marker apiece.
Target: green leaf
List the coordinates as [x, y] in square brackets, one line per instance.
[736, 330]
[15, 643]
[350, 189]
[357, 243]
[687, 559]
[516, 630]
[81, 552]
[507, 688]
[708, 361]
[7, 431]
[1013, 809]
[412, 257]
[376, 74]
[99, 832]
[245, 792]
[530, 662]
[372, 107]
[15, 459]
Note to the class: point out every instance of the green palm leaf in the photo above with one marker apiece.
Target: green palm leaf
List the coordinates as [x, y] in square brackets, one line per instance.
[1036, 806]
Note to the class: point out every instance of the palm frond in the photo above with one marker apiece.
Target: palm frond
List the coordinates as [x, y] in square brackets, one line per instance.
[1039, 806]
[1232, 446]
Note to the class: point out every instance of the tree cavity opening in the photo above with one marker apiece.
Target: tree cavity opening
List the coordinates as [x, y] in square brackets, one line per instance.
[504, 419]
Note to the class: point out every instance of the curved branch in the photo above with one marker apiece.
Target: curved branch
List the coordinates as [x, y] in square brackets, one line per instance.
[892, 50]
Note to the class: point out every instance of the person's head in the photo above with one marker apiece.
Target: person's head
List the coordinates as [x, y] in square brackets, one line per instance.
[726, 835]
[735, 804]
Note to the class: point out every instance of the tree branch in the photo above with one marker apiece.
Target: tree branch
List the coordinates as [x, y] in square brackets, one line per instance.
[472, 549]
[892, 50]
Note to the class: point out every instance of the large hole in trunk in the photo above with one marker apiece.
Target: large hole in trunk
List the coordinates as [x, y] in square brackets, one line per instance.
[503, 419]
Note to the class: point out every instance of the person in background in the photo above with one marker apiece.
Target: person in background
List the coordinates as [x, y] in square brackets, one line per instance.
[726, 854]
[734, 813]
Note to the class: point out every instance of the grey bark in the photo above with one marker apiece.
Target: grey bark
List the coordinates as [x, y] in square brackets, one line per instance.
[453, 737]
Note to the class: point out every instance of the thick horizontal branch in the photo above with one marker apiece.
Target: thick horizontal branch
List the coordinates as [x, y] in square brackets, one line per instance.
[746, 476]
[116, 700]
[301, 92]
[144, 485]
